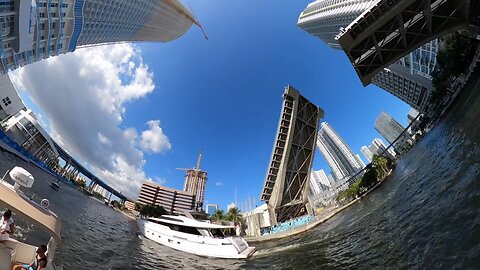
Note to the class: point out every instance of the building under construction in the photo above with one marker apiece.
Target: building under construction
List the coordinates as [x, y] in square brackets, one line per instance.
[196, 182]
[196, 187]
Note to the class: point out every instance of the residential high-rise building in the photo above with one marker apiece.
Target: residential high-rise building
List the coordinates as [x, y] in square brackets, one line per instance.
[360, 160]
[196, 187]
[324, 18]
[10, 101]
[340, 158]
[388, 127]
[412, 114]
[174, 201]
[408, 79]
[378, 147]
[35, 30]
[319, 182]
[367, 153]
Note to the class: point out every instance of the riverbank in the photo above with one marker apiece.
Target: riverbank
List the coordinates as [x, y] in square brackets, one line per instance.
[318, 220]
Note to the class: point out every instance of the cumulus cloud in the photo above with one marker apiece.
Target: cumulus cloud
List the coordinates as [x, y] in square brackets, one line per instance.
[153, 139]
[83, 95]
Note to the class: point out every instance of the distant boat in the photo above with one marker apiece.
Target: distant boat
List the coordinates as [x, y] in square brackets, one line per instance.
[196, 237]
[55, 185]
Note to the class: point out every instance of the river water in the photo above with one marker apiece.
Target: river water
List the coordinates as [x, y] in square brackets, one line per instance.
[427, 215]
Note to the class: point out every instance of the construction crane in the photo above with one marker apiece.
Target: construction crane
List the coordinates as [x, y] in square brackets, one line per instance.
[194, 182]
[186, 15]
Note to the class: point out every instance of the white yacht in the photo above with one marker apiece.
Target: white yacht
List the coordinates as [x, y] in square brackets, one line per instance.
[12, 251]
[196, 237]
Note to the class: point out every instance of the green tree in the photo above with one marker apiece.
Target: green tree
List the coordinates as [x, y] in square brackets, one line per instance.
[218, 215]
[369, 179]
[234, 215]
[138, 206]
[381, 165]
[148, 210]
[453, 58]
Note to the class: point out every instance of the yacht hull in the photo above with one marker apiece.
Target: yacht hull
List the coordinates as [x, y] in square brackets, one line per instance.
[227, 248]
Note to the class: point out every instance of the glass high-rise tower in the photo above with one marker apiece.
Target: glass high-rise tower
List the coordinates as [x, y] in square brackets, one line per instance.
[340, 158]
[408, 79]
[388, 127]
[33, 30]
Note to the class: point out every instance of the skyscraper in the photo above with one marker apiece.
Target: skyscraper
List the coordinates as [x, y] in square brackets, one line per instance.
[319, 182]
[388, 127]
[35, 30]
[367, 153]
[340, 158]
[408, 79]
[324, 18]
[377, 147]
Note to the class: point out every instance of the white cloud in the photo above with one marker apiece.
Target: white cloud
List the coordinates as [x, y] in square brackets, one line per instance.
[103, 139]
[153, 139]
[83, 95]
[218, 184]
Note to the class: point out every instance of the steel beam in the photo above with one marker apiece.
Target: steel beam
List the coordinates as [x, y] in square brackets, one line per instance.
[391, 29]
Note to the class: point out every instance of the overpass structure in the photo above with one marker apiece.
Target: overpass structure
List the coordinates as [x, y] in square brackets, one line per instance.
[287, 181]
[72, 168]
[390, 29]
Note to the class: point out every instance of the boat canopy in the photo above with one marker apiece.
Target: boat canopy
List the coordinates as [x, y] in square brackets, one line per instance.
[45, 219]
[185, 221]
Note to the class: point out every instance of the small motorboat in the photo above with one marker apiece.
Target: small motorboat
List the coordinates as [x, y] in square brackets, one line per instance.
[197, 237]
[38, 214]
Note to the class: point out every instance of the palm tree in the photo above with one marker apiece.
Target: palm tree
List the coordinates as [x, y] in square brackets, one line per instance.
[381, 165]
[234, 215]
[218, 215]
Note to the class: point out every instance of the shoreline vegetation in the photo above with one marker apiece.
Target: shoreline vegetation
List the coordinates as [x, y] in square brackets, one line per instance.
[374, 173]
[318, 219]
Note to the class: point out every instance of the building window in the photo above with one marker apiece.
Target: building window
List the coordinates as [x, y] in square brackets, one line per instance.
[6, 101]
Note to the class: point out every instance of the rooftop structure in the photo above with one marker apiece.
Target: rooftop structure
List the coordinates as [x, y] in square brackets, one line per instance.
[287, 181]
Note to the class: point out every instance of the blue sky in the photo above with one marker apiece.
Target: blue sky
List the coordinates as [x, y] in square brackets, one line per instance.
[224, 94]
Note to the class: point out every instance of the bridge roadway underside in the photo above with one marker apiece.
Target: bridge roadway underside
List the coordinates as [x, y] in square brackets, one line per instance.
[391, 29]
[69, 159]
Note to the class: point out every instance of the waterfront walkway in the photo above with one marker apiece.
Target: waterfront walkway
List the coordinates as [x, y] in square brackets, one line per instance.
[318, 220]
